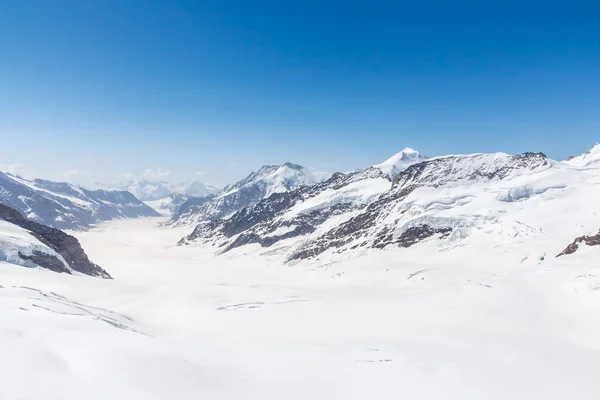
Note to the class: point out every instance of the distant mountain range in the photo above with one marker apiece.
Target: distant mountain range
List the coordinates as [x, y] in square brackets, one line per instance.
[162, 196]
[147, 190]
[65, 206]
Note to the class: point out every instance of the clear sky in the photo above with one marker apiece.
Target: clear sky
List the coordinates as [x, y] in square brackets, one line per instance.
[95, 90]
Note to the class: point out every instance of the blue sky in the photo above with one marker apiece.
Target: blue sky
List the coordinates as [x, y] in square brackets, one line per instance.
[94, 90]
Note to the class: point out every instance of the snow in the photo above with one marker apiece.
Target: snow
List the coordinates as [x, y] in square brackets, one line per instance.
[591, 157]
[400, 161]
[146, 190]
[359, 192]
[487, 313]
[33, 186]
[15, 240]
[163, 206]
[479, 321]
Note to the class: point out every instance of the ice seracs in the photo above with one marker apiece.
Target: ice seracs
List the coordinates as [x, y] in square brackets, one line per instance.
[400, 161]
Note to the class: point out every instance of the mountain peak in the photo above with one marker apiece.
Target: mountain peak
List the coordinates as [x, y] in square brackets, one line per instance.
[400, 161]
[592, 156]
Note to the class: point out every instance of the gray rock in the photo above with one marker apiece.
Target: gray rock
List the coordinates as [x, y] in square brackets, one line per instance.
[65, 245]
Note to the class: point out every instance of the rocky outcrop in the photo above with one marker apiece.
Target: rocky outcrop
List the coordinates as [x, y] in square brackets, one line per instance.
[589, 240]
[65, 245]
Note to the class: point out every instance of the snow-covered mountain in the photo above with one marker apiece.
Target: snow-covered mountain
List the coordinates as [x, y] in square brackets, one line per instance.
[65, 206]
[165, 197]
[452, 198]
[147, 190]
[29, 244]
[589, 158]
[400, 161]
[171, 204]
[268, 180]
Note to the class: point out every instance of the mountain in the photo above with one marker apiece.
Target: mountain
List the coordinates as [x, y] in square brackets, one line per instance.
[268, 180]
[591, 157]
[146, 190]
[164, 197]
[172, 203]
[29, 244]
[143, 189]
[196, 188]
[453, 199]
[65, 206]
[291, 214]
[400, 161]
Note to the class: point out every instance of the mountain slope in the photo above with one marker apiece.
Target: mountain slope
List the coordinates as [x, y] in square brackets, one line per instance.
[400, 161]
[147, 190]
[589, 158]
[268, 180]
[454, 198]
[65, 206]
[27, 243]
[295, 213]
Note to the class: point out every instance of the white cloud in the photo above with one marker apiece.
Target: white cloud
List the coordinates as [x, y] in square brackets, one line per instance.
[127, 175]
[157, 173]
[14, 169]
[200, 173]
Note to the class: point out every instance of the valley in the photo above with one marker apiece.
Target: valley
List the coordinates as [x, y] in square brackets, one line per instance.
[179, 322]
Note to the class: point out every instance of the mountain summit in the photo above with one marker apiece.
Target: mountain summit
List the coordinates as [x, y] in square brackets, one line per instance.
[268, 180]
[400, 161]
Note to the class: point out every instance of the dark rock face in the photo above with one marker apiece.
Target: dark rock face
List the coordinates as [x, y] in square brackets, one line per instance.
[46, 261]
[591, 240]
[65, 206]
[418, 233]
[65, 245]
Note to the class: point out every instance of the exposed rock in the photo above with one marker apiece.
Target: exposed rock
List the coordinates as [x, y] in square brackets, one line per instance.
[416, 234]
[47, 261]
[66, 245]
[590, 240]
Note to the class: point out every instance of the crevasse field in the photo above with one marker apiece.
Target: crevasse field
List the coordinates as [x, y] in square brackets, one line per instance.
[478, 322]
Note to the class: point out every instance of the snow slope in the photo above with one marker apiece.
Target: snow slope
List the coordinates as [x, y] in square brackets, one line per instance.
[16, 242]
[473, 322]
[268, 180]
[589, 158]
[65, 206]
[400, 161]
